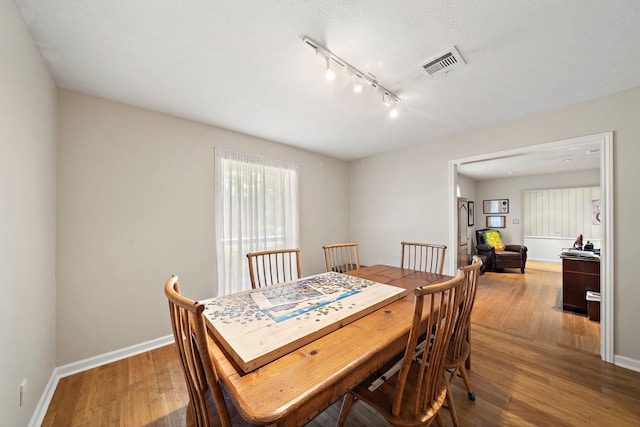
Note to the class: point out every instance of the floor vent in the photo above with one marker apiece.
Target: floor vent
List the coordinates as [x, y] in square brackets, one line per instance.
[444, 63]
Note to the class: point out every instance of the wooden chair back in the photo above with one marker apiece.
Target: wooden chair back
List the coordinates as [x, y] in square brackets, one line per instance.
[463, 322]
[415, 395]
[190, 334]
[423, 256]
[341, 257]
[459, 348]
[425, 388]
[271, 267]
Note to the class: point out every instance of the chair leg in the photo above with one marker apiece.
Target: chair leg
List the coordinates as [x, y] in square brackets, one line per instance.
[450, 404]
[439, 420]
[467, 383]
[347, 403]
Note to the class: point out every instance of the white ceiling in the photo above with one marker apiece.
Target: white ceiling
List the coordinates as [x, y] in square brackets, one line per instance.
[242, 65]
[579, 157]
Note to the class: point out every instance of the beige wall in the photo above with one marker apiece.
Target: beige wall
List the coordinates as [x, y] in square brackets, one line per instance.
[512, 188]
[404, 194]
[27, 219]
[135, 205]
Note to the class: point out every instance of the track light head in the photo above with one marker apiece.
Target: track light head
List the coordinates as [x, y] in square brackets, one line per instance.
[386, 99]
[357, 83]
[393, 109]
[330, 74]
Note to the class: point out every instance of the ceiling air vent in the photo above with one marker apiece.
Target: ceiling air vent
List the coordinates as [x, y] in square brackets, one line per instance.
[444, 63]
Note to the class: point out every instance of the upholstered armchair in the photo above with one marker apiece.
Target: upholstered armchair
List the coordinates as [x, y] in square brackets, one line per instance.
[499, 255]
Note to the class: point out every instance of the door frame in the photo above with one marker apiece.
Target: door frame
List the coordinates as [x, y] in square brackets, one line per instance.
[605, 141]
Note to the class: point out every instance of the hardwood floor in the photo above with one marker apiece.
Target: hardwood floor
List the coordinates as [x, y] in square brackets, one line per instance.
[530, 305]
[531, 365]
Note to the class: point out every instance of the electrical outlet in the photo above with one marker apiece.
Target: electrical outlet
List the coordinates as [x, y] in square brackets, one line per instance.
[516, 221]
[23, 392]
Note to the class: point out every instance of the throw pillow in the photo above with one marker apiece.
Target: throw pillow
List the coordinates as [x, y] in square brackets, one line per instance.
[494, 238]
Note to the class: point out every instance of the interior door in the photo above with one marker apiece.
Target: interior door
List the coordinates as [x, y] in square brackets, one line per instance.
[462, 232]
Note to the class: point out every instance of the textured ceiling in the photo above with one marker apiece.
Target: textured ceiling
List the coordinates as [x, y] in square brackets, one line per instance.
[242, 65]
[579, 157]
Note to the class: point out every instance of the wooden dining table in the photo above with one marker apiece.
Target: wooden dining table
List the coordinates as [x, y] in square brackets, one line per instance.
[296, 387]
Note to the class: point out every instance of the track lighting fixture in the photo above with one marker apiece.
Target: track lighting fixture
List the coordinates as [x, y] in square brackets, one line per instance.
[360, 79]
[393, 112]
[357, 83]
[391, 103]
[386, 99]
[330, 74]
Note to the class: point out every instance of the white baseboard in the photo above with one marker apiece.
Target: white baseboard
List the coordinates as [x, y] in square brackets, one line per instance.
[45, 399]
[112, 356]
[626, 362]
[553, 261]
[90, 363]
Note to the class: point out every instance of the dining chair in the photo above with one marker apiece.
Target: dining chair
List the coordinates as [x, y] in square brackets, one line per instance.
[459, 348]
[341, 257]
[271, 267]
[414, 396]
[191, 338]
[423, 256]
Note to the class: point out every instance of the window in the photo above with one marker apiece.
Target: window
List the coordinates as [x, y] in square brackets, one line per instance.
[562, 213]
[256, 206]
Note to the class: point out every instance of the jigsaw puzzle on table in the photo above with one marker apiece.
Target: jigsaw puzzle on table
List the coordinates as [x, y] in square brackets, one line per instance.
[260, 325]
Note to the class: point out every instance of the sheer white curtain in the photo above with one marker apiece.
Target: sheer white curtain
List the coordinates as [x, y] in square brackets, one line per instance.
[256, 208]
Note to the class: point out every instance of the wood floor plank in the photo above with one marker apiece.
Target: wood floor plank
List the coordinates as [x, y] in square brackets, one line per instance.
[532, 365]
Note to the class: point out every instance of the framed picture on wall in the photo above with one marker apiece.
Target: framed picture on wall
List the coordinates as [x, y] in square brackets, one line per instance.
[595, 208]
[470, 213]
[498, 206]
[497, 221]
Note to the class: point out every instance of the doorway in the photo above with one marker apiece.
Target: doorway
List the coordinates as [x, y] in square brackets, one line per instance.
[605, 142]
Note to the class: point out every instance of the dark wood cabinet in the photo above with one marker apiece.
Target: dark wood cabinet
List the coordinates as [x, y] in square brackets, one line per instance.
[579, 276]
